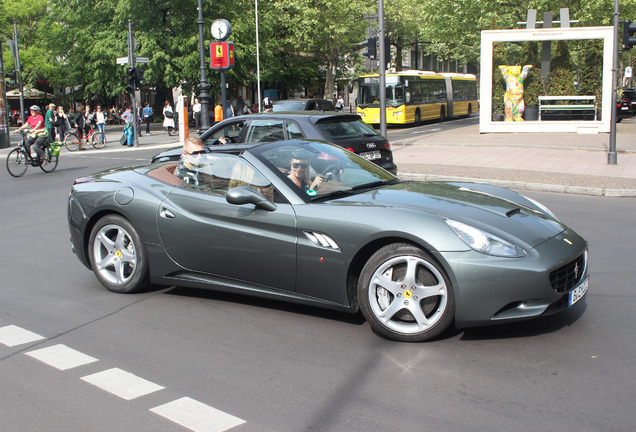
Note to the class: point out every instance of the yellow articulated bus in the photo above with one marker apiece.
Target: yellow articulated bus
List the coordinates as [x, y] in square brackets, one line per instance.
[414, 96]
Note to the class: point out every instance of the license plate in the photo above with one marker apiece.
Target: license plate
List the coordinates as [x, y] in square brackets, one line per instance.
[577, 293]
[371, 155]
[624, 108]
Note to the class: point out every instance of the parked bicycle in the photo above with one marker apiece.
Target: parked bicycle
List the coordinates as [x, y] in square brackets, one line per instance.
[19, 159]
[74, 140]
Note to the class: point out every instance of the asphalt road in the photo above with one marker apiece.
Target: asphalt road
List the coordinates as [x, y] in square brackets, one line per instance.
[181, 356]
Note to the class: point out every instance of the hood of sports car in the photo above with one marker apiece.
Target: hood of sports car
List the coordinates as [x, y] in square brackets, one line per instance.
[485, 210]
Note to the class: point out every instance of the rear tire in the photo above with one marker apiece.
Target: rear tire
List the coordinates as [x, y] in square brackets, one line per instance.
[50, 163]
[17, 162]
[72, 142]
[405, 295]
[117, 255]
[98, 140]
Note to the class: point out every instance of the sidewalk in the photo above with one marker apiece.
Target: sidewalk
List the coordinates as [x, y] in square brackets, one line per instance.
[564, 163]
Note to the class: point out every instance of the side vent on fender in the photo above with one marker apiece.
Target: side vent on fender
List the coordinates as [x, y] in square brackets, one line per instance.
[322, 240]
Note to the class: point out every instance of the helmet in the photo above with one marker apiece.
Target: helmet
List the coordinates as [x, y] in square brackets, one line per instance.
[267, 102]
[34, 108]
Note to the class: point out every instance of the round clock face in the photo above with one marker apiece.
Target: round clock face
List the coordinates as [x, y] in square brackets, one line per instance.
[221, 29]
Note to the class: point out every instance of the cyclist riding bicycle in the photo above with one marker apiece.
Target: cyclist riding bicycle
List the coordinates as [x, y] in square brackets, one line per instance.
[38, 135]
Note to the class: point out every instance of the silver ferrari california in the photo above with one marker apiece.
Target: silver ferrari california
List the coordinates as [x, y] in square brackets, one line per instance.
[312, 223]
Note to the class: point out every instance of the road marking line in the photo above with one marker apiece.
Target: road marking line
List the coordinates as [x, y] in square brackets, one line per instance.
[121, 383]
[197, 416]
[61, 357]
[12, 335]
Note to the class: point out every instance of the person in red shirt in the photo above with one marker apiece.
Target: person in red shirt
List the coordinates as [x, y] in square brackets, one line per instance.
[39, 135]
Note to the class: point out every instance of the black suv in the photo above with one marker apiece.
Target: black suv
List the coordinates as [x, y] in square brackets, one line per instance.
[304, 105]
[345, 130]
[630, 95]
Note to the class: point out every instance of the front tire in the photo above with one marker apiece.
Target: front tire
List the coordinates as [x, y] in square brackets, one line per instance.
[405, 295]
[17, 162]
[98, 140]
[117, 255]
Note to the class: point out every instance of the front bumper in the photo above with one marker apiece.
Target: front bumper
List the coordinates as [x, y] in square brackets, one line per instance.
[491, 290]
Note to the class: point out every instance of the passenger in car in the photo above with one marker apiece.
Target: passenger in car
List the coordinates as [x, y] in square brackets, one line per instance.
[299, 173]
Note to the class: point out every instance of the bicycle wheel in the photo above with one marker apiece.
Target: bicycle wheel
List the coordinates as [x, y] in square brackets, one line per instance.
[17, 162]
[50, 163]
[98, 140]
[72, 142]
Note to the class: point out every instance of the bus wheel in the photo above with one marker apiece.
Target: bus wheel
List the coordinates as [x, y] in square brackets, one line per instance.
[442, 115]
[418, 118]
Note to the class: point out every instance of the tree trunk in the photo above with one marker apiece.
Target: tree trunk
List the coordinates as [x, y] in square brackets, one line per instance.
[330, 78]
[398, 53]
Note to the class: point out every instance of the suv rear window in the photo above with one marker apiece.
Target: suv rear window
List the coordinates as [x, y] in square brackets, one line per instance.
[345, 128]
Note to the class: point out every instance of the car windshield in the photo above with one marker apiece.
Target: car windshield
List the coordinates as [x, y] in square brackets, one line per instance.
[340, 171]
[345, 128]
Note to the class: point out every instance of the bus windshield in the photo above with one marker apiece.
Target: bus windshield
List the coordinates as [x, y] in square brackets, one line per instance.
[369, 91]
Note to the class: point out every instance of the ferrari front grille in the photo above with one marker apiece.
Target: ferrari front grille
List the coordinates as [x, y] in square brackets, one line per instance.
[568, 276]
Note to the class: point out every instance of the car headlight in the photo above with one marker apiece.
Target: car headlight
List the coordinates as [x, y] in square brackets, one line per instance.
[397, 113]
[484, 242]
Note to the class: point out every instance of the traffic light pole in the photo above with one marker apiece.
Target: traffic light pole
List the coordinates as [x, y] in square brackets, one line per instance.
[611, 155]
[382, 71]
[19, 72]
[131, 62]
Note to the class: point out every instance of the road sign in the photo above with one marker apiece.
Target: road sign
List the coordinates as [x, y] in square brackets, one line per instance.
[122, 60]
[628, 72]
[142, 59]
[222, 55]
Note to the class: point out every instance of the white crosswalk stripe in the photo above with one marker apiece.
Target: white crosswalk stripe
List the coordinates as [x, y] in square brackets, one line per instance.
[121, 383]
[185, 411]
[197, 416]
[61, 357]
[12, 335]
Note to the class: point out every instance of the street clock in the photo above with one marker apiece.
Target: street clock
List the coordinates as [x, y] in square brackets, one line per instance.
[221, 29]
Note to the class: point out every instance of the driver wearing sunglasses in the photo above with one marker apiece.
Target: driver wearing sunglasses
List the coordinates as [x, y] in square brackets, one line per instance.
[190, 159]
[299, 173]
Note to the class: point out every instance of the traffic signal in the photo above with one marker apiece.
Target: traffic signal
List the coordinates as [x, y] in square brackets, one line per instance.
[139, 77]
[11, 78]
[629, 28]
[130, 79]
[371, 48]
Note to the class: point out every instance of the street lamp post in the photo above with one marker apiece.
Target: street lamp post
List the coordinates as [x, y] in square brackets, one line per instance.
[203, 86]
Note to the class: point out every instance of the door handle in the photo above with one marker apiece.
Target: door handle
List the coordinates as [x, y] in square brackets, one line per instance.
[167, 214]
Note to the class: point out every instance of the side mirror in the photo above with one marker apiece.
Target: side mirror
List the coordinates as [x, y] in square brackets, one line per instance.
[247, 195]
[351, 87]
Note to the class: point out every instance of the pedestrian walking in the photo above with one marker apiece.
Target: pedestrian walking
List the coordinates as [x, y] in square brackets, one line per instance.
[61, 123]
[49, 121]
[168, 117]
[196, 111]
[229, 109]
[340, 103]
[100, 120]
[80, 123]
[147, 116]
[127, 117]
